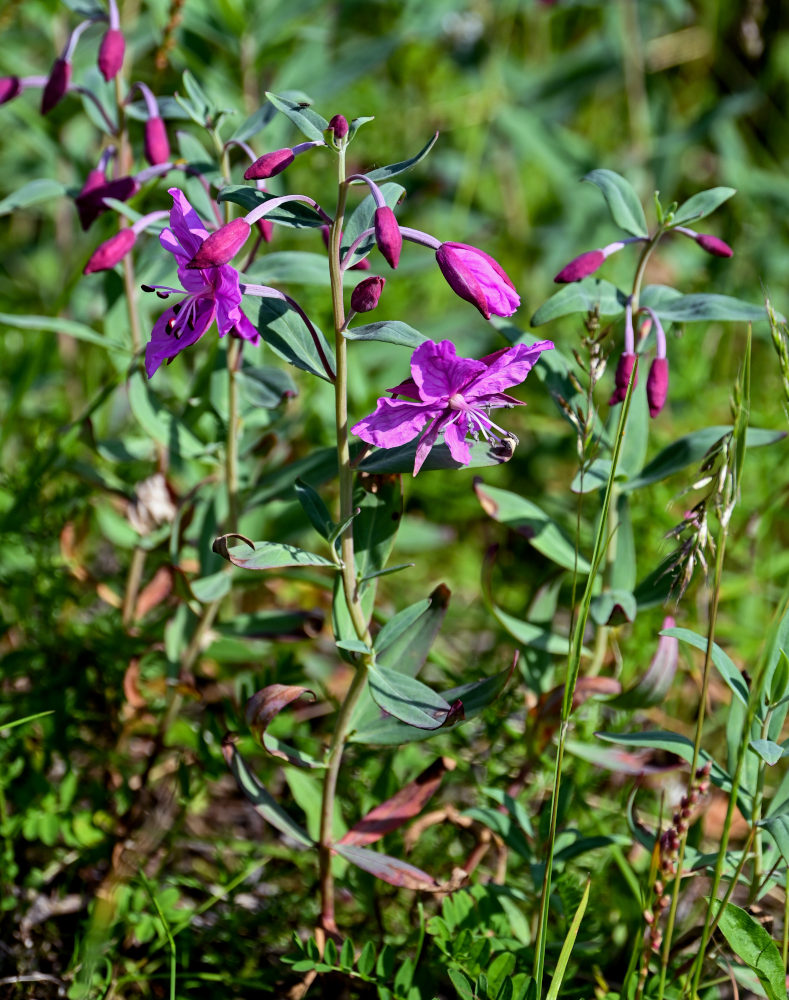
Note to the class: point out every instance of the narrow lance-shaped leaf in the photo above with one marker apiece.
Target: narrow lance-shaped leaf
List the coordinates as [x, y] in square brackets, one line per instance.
[391, 870]
[751, 943]
[262, 800]
[726, 667]
[401, 807]
[410, 701]
[309, 122]
[701, 204]
[623, 202]
[582, 297]
[384, 173]
[263, 707]
[266, 555]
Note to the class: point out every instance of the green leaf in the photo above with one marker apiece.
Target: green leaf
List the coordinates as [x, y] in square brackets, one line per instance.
[254, 123]
[291, 267]
[314, 508]
[388, 332]
[270, 555]
[701, 204]
[525, 517]
[593, 477]
[31, 193]
[307, 121]
[691, 448]
[407, 699]
[461, 983]
[294, 214]
[532, 636]
[778, 828]
[751, 943]
[163, 426]
[362, 218]
[613, 607]
[211, 588]
[661, 739]
[726, 668]
[263, 802]
[769, 751]
[401, 459]
[624, 570]
[384, 173]
[366, 962]
[636, 440]
[28, 718]
[204, 106]
[286, 333]
[266, 387]
[53, 324]
[567, 947]
[705, 306]
[622, 201]
[582, 297]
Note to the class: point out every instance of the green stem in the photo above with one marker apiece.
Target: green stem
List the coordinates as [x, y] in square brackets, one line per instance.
[785, 931]
[705, 679]
[233, 427]
[133, 585]
[348, 568]
[602, 539]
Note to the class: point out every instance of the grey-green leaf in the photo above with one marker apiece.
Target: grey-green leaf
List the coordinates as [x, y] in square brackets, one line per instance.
[388, 332]
[582, 297]
[407, 699]
[401, 459]
[750, 942]
[31, 193]
[309, 122]
[384, 173]
[623, 202]
[702, 204]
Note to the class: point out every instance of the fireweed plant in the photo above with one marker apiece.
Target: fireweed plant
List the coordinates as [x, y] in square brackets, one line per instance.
[192, 251]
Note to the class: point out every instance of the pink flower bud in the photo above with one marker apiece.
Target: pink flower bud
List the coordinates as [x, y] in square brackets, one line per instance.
[94, 179]
[109, 253]
[365, 296]
[478, 278]
[111, 51]
[580, 267]
[56, 86]
[339, 125]
[387, 235]
[657, 385]
[622, 378]
[266, 229]
[10, 87]
[713, 245]
[269, 165]
[90, 202]
[222, 246]
[360, 265]
[156, 144]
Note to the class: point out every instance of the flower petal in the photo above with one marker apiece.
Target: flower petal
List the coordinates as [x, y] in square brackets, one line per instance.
[185, 224]
[426, 442]
[394, 422]
[439, 373]
[507, 368]
[455, 439]
[164, 344]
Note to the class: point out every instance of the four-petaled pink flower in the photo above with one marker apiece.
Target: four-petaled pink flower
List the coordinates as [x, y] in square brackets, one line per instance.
[212, 292]
[452, 395]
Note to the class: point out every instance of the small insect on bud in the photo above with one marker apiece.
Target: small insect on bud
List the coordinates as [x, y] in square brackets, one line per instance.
[365, 296]
[339, 125]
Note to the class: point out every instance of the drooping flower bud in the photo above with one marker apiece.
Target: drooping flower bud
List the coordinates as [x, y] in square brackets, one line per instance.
[90, 202]
[109, 253]
[657, 385]
[580, 267]
[156, 144]
[339, 125]
[713, 245]
[266, 229]
[111, 52]
[387, 235]
[479, 279]
[221, 247]
[365, 296]
[10, 87]
[624, 370]
[56, 86]
[270, 164]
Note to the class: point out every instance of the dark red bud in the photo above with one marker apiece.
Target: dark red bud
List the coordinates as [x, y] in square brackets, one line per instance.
[580, 267]
[360, 265]
[10, 87]
[111, 51]
[156, 144]
[90, 202]
[339, 125]
[367, 293]
[56, 86]
[387, 235]
[713, 245]
[266, 229]
[222, 246]
[94, 179]
[325, 231]
[657, 385]
[109, 253]
[622, 378]
[269, 165]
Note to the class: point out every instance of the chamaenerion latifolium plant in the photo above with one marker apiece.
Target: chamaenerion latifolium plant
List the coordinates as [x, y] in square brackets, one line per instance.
[181, 240]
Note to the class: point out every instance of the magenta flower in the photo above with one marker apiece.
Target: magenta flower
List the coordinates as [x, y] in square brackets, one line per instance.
[478, 278]
[212, 292]
[451, 395]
